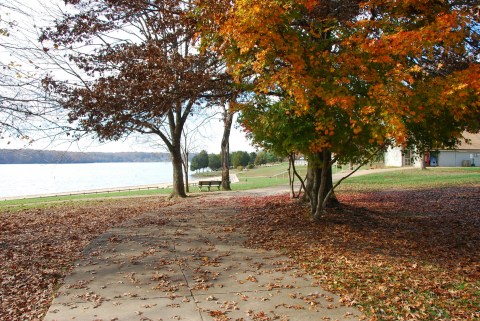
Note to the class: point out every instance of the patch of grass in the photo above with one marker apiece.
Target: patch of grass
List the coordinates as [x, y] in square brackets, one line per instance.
[414, 178]
[40, 202]
[258, 171]
[264, 171]
[279, 170]
[248, 183]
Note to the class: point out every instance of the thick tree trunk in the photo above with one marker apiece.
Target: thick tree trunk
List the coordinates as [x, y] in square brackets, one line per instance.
[225, 151]
[313, 182]
[332, 200]
[176, 121]
[422, 160]
[178, 185]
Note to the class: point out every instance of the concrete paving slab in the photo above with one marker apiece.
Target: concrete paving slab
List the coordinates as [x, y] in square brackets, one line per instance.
[128, 310]
[275, 305]
[180, 264]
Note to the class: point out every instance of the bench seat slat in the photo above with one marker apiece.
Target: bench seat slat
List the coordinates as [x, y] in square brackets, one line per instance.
[209, 184]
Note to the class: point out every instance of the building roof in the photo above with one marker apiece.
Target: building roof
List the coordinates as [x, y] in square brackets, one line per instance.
[474, 142]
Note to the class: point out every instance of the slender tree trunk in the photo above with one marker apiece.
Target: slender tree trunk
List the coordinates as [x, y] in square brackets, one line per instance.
[291, 177]
[225, 151]
[185, 161]
[301, 180]
[292, 173]
[185, 171]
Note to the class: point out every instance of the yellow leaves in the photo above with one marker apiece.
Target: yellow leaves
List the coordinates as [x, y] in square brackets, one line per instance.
[370, 78]
[416, 68]
[460, 86]
[256, 8]
[329, 132]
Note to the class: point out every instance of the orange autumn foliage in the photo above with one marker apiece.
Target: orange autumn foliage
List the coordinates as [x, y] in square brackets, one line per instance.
[357, 62]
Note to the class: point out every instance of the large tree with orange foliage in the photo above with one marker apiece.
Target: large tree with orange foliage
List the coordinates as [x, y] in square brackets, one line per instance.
[371, 73]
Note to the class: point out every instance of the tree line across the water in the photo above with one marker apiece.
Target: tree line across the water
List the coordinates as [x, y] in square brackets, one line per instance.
[237, 159]
[30, 156]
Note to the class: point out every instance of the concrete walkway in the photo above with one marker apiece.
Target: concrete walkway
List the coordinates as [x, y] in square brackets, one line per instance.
[186, 262]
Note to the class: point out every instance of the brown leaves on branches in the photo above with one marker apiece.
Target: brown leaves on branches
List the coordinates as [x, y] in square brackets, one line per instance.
[398, 255]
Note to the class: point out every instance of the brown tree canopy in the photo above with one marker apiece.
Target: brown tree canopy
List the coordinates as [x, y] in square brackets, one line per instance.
[142, 70]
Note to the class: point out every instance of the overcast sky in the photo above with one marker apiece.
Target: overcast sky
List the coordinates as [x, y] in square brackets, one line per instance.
[209, 138]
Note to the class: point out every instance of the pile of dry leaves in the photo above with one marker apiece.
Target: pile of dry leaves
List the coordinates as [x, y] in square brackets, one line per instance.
[39, 246]
[397, 255]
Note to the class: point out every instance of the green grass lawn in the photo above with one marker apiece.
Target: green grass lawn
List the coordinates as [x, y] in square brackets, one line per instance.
[414, 178]
[264, 176]
[24, 203]
[258, 171]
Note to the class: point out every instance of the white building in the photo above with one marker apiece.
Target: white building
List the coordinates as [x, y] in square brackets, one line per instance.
[465, 155]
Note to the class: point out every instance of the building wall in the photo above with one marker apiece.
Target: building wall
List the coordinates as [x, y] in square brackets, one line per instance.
[456, 158]
[446, 158]
[393, 157]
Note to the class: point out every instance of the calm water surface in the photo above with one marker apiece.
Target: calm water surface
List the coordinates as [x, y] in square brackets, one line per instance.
[33, 179]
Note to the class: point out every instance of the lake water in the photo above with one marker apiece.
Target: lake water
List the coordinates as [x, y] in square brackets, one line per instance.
[35, 179]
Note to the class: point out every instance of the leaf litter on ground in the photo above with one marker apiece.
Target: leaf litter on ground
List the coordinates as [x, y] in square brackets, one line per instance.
[397, 255]
[39, 246]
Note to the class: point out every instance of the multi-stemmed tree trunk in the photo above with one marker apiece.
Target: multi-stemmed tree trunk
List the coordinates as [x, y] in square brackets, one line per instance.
[176, 122]
[365, 74]
[319, 183]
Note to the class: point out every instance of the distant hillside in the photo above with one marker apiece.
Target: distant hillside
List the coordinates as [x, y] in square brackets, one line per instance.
[31, 156]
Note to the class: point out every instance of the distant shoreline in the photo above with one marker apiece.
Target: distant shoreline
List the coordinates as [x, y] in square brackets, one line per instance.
[80, 163]
[34, 156]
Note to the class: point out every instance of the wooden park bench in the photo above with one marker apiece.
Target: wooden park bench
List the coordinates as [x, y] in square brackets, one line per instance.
[209, 184]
